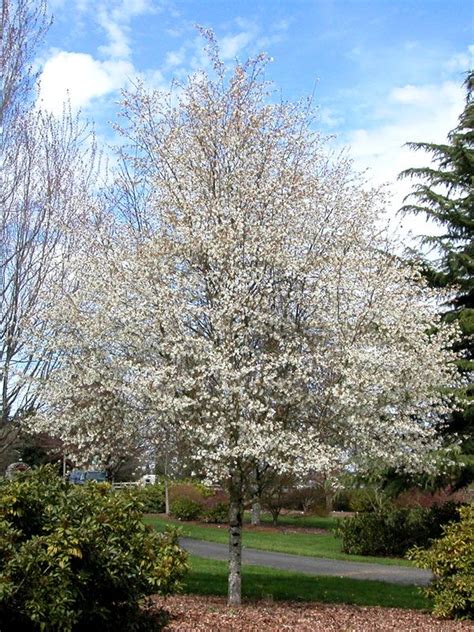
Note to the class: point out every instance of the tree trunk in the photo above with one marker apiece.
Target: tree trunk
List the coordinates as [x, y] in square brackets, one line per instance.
[275, 513]
[167, 498]
[256, 512]
[235, 540]
[329, 500]
[329, 493]
[167, 494]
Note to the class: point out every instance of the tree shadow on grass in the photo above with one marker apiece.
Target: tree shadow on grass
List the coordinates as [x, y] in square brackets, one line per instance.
[271, 584]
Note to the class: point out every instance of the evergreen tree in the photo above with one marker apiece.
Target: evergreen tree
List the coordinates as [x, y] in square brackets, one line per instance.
[444, 194]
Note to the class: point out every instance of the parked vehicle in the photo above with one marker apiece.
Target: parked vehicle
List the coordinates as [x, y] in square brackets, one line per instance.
[80, 477]
[147, 479]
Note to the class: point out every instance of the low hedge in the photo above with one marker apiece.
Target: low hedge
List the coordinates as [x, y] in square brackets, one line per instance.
[392, 531]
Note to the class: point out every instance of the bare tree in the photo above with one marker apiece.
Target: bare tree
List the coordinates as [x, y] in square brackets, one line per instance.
[22, 27]
[45, 167]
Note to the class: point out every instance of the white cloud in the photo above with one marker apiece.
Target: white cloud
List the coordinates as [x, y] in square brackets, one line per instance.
[232, 45]
[408, 95]
[411, 113]
[426, 97]
[462, 61]
[328, 118]
[118, 43]
[154, 80]
[115, 16]
[80, 78]
[175, 58]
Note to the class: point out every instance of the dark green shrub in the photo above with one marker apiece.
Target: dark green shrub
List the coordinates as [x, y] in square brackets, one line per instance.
[152, 497]
[218, 513]
[451, 558]
[391, 531]
[363, 534]
[341, 500]
[440, 515]
[76, 557]
[216, 508]
[187, 501]
[186, 509]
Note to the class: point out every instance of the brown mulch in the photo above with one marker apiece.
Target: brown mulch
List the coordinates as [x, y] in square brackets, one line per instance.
[282, 529]
[267, 528]
[198, 614]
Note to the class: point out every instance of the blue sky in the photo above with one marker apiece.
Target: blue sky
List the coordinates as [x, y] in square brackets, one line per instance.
[383, 71]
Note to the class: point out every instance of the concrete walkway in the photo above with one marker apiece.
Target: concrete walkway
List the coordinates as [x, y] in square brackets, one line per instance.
[312, 565]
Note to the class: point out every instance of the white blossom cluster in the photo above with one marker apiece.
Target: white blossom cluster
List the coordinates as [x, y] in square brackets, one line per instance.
[264, 318]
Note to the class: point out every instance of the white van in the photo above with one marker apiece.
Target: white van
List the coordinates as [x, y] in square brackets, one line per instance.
[147, 479]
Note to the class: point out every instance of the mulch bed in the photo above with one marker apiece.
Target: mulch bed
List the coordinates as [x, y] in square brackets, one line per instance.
[196, 614]
[281, 529]
[267, 528]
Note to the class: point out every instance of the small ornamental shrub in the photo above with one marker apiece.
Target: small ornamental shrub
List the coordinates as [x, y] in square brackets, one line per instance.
[415, 497]
[216, 509]
[217, 514]
[365, 534]
[186, 509]
[363, 499]
[187, 500]
[79, 557]
[273, 502]
[152, 497]
[188, 490]
[391, 531]
[451, 559]
[281, 492]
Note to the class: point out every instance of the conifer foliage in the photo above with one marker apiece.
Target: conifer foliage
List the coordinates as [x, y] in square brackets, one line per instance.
[444, 193]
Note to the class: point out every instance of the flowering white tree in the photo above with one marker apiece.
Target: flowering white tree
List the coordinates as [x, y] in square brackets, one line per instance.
[263, 318]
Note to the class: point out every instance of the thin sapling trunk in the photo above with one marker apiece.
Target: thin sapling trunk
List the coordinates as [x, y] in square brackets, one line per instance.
[256, 512]
[235, 540]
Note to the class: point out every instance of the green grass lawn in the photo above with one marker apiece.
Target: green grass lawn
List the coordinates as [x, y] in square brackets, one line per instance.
[312, 545]
[308, 522]
[209, 577]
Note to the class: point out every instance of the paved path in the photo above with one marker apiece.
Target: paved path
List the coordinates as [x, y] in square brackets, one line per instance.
[312, 565]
